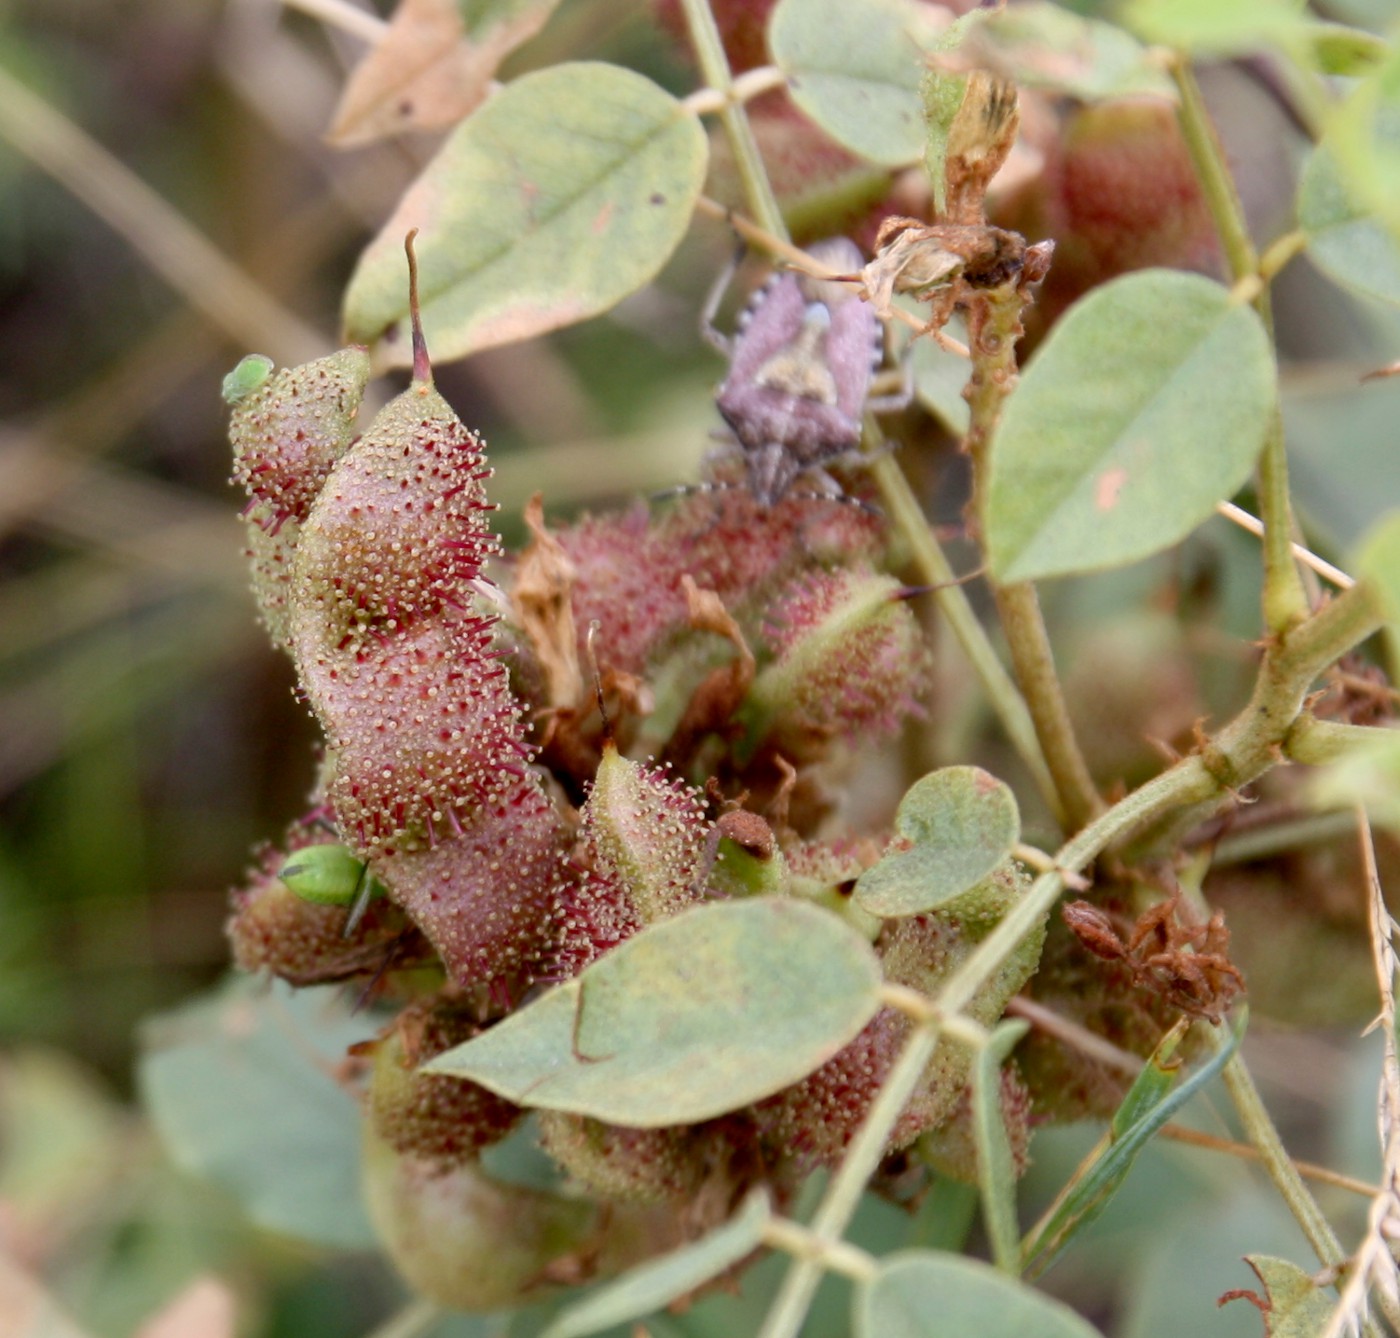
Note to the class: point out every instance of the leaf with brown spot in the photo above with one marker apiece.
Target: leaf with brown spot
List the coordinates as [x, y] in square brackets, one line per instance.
[1146, 406]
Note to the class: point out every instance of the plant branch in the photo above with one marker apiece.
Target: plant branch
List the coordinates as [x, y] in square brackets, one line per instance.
[347, 17]
[1285, 601]
[993, 329]
[862, 1159]
[1373, 1267]
[1186, 781]
[1256, 738]
[1315, 742]
[794, 1239]
[1196, 1138]
[714, 68]
[1263, 1136]
[1242, 750]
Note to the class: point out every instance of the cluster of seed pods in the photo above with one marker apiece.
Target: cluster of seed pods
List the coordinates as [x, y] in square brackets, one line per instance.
[519, 814]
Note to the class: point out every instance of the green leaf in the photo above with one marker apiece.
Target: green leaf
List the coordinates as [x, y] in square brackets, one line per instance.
[920, 1294]
[996, 1171]
[1145, 407]
[1378, 560]
[962, 823]
[239, 1086]
[1338, 49]
[1363, 135]
[556, 199]
[1240, 27]
[657, 1283]
[1041, 45]
[1293, 1304]
[1345, 240]
[692, 1017]
[856, 70]
[1151, 1101]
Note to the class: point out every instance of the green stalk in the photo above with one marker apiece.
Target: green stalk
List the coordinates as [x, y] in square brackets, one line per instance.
[714, 67]
[1285, 601]
[1260, 1131]
[1254, 740]
[993, 329]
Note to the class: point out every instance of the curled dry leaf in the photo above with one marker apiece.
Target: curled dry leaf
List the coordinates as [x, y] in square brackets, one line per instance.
[1186, 965]
[543, 598]
[430, 70]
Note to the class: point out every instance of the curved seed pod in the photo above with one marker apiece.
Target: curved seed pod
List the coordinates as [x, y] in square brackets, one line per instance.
[288, 429]
[430, 783]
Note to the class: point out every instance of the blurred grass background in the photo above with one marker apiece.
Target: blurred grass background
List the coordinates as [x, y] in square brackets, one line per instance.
[168, 205]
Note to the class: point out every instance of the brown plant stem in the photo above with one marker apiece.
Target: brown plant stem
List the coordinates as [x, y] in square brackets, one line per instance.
[1284, 598]
[993, 329]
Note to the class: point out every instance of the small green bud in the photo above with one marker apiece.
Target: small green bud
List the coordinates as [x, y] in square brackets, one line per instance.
[250, 373]
[328, 875]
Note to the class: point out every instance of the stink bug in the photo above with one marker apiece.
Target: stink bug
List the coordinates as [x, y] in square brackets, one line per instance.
[800, 367]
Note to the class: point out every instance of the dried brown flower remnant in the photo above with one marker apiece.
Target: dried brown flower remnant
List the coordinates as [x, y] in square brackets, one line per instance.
[1187, 966]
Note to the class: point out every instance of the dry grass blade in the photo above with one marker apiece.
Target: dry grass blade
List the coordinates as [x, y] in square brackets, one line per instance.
[1373, 1268]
